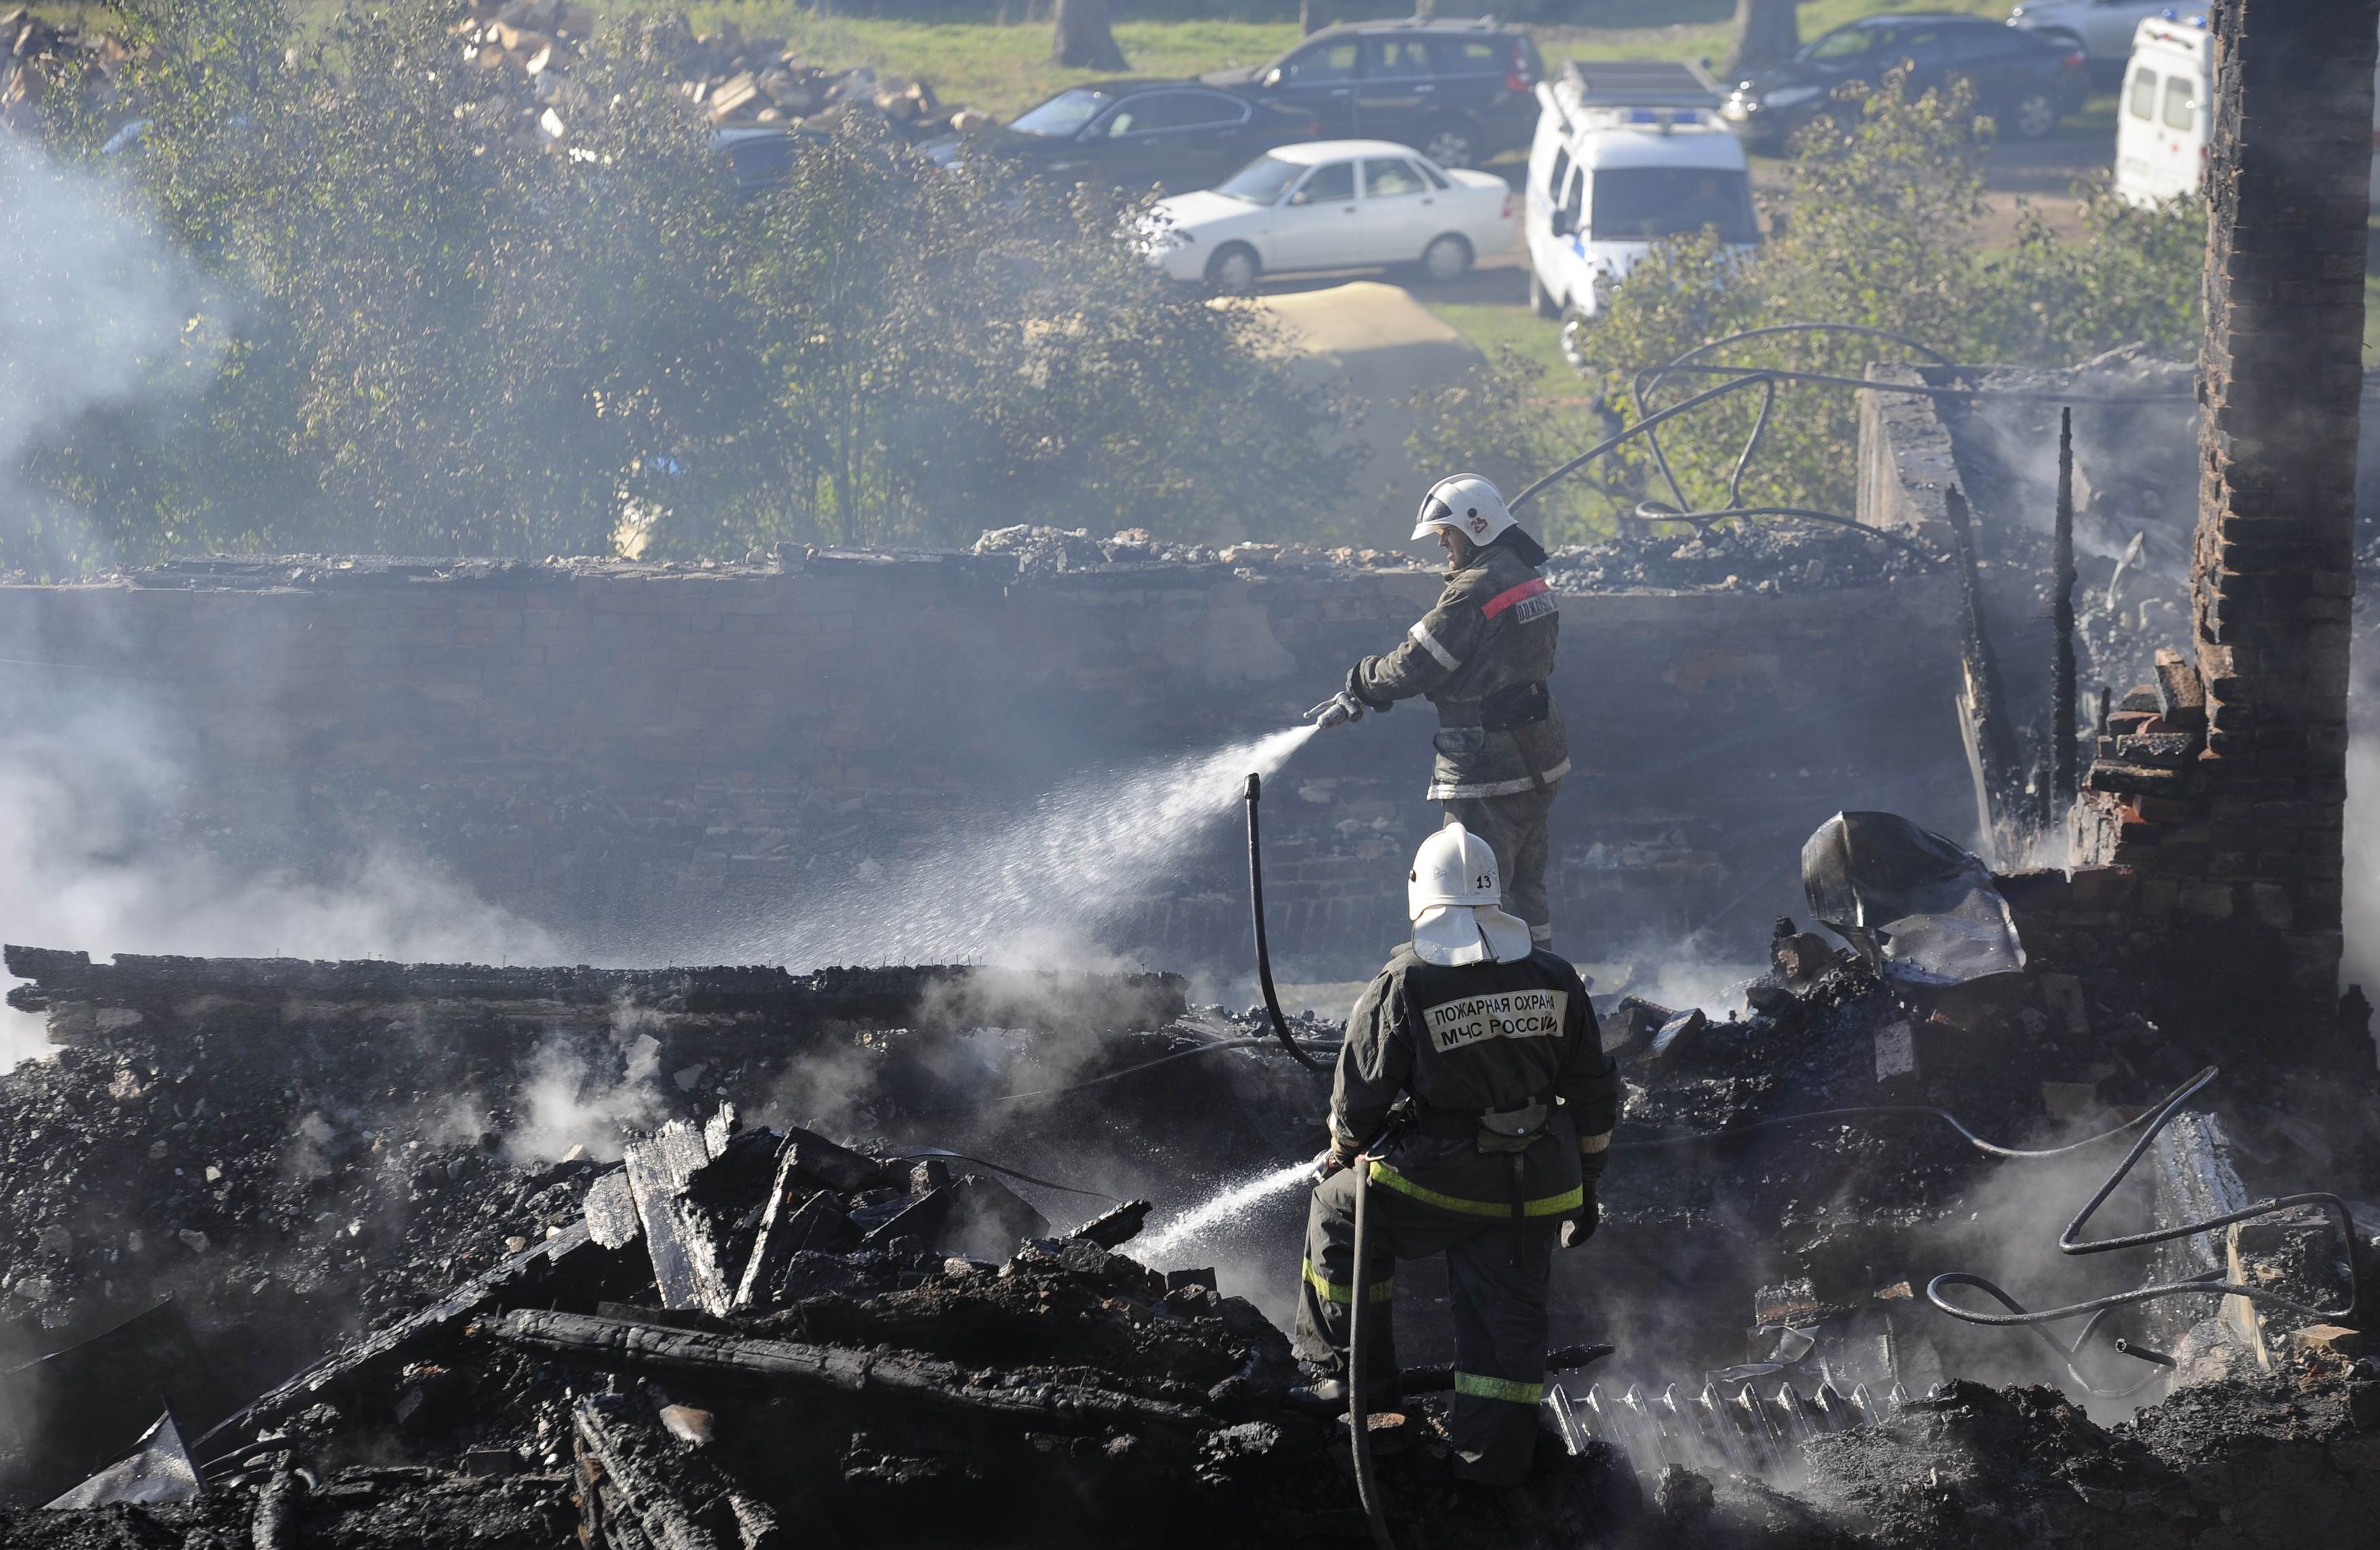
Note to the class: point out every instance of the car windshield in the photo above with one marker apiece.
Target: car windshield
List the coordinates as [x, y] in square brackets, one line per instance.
[1848, 42]
[1261, 181]
[1636, 204]
[1061, 115]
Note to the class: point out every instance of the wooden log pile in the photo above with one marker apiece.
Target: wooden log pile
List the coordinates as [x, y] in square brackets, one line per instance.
[529, 47]
[45, 64]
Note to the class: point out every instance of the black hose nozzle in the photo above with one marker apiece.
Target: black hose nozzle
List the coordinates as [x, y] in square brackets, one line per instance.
[2160, 1358]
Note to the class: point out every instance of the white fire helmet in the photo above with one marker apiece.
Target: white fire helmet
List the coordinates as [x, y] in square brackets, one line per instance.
[1464, 503]
[1454, 897]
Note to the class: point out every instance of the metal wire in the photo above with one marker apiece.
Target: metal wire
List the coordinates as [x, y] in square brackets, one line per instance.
[2070, 1242]
[1654, 511]
[1944, 1115]
[1766, 378]
[1650, 378]
[929, 1152]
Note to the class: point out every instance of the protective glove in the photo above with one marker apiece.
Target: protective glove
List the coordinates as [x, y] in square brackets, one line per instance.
[1581, 1227]
[1355, 688]
[1338, 710]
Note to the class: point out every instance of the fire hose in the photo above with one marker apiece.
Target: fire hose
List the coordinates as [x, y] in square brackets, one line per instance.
[1359, 1410]
[1263, 953]
[2070, 1242]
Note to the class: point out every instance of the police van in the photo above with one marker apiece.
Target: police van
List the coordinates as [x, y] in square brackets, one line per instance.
[2164, 116]
[1626, 152]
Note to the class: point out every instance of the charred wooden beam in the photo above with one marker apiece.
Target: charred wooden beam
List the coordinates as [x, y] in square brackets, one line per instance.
[620, 1468]
[1116, 1228]
[2064, 782]
[785, 1231]
[685, 1251]
[649, 1348]
[532, 1267]
[1991, 740]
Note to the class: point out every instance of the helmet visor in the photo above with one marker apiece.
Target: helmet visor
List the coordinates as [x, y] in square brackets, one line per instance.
[1435, 512]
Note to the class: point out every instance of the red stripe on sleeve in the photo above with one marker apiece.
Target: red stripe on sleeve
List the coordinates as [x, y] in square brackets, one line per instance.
[1503, 600]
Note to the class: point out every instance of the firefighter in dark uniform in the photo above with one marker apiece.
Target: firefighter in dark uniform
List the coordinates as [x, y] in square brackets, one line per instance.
[1482, 657]
[1491, 1157]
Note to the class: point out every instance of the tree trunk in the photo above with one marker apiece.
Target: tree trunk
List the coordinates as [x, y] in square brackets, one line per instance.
[1313, 15]
[1766, 31]
[1080, 36]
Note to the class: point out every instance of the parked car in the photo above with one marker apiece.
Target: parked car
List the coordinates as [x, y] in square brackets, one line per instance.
[2026, 82]
[1339, 204]
[1137, 134]
[2164, 114]
[759, 156]
[2102, 30]
[1459, 90]
[1626, 153]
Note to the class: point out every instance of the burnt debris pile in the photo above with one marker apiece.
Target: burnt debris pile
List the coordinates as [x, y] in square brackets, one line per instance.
[738, 1333]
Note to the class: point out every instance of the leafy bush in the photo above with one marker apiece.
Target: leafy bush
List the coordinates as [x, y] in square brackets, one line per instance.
[1882, 236]
[439, 332]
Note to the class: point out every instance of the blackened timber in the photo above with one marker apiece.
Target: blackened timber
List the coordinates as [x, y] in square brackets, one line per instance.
[684, 1250]
[528, 1269]
[1991, 740]
[621, 1450]
[1114, 1228]
[627, 1344]
[772, 1002]
[786, 1230]
[273, 1525]
[2063, 780]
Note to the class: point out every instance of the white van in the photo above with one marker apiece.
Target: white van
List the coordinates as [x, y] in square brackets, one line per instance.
[2166, 113]
[1626, 152]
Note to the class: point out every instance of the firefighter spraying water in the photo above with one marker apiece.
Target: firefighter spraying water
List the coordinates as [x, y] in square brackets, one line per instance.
[1481, 657]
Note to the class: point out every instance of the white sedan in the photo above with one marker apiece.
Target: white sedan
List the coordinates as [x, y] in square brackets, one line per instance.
[1334, 205]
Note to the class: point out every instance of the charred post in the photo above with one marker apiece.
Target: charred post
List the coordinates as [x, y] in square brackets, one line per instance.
[2064, 779]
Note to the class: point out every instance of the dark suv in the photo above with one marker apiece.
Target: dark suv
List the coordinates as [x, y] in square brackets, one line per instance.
[2025, 81]
[1457, 91]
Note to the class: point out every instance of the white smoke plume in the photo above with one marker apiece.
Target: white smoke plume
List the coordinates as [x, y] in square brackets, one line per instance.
[2362, 890]
[97, 313]
[89, 803]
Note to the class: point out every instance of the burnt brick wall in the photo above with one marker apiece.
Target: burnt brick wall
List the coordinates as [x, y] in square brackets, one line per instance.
[629, 753]
[2237, 810]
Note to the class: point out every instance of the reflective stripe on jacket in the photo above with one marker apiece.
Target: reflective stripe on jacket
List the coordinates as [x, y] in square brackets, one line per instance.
[1476, 1038]
[1494, 628]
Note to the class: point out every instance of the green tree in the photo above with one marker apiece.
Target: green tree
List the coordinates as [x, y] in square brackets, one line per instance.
[453, 320]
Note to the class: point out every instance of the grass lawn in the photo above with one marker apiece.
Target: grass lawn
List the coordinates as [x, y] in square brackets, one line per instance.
[1489, 325]
[1002, 65]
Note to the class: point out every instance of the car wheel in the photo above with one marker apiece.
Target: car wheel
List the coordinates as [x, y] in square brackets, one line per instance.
[1234, 269]
[1451, 144]
[1540, 301]
[1577, 337]
[1448, 257]
[2034, 115]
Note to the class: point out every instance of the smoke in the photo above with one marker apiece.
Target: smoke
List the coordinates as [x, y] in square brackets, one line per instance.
[2362, 882]
[97, 314]
[95, 855]
[587, 1092]
[1046, 888]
